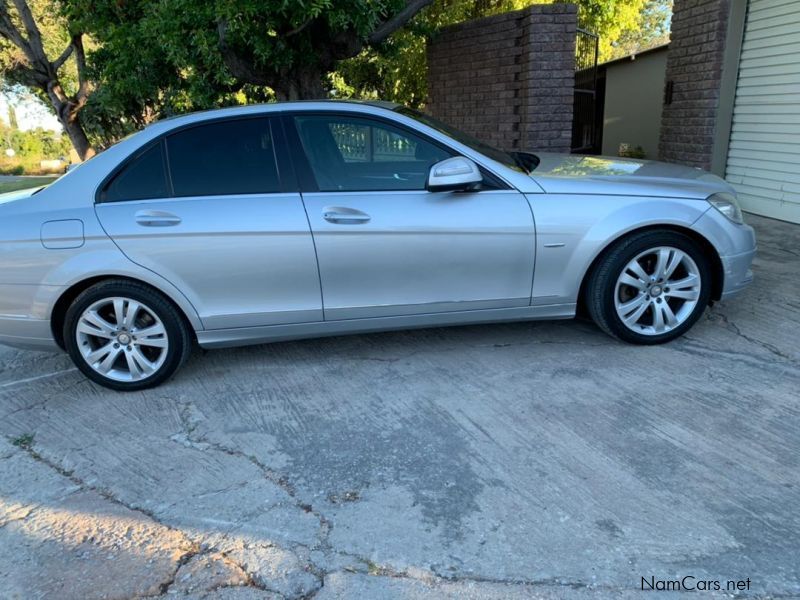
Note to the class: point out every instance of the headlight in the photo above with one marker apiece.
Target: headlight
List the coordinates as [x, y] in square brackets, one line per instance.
[727, 205]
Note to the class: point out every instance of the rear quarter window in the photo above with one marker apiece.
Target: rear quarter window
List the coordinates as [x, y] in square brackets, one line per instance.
[142, 178]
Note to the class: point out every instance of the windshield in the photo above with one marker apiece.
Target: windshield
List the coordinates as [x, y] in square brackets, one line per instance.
[510, 160]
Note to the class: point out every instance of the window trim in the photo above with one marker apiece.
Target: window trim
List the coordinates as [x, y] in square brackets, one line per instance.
[306, 178]
[284, 168]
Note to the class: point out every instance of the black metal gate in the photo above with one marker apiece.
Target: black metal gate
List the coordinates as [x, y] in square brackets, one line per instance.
[584, 109]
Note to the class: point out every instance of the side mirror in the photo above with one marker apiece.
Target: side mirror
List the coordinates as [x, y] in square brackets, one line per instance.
[454, 174]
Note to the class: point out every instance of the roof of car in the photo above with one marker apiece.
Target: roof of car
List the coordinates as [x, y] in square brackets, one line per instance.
[283, 105]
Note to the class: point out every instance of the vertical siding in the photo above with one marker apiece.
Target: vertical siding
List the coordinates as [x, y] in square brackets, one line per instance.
[764, 151]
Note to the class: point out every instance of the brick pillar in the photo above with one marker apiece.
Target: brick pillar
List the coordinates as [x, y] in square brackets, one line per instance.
[508, 79]
[693, 79]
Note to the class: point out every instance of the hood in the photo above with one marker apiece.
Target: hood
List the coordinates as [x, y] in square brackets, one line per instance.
[575, 173]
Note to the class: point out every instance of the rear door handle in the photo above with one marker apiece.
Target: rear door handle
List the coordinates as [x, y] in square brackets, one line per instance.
[156, 218]
[344, 216]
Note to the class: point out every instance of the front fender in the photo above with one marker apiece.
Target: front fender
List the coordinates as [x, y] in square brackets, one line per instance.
[572, 230]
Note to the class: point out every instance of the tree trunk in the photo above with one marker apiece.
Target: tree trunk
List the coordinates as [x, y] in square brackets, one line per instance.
[78, 138]
[305, 84]
[36, 70]
[68, 115]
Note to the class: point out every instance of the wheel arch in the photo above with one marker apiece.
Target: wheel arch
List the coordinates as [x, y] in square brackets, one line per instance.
[717, 269]
[67, 297]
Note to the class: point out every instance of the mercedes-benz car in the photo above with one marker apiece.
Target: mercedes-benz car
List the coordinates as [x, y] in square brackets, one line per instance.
[293, 220]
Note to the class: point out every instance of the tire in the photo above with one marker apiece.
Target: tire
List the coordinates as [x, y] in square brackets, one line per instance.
[617, 289]
[96, 339]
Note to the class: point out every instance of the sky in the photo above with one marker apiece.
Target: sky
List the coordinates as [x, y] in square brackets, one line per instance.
[31, 112]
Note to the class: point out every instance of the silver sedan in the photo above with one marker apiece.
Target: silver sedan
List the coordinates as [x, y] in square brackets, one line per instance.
[264, 223]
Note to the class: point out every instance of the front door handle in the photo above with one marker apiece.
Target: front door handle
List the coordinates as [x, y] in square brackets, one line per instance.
[344, 216]
[156, 218]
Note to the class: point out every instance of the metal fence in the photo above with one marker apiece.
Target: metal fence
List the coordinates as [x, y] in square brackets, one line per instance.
[361, 143]
[584, 117]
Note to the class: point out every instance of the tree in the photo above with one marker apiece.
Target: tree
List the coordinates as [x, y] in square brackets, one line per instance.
[153, 59]
[652, 30]
[611, 20]
[175, 55]
[31, 32]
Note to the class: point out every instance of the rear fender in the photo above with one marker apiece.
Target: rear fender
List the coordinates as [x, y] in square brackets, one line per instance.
[108, 262]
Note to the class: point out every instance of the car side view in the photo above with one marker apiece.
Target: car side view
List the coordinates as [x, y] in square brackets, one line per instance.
[295, 220]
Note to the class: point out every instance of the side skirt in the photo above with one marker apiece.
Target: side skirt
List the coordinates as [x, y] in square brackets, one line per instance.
[242, 336]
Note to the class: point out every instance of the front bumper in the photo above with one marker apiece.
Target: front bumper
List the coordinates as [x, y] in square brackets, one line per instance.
[735, 245]
[737, 273]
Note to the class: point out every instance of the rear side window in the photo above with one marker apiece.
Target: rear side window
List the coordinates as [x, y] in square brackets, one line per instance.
[226, 157]
[142, 178]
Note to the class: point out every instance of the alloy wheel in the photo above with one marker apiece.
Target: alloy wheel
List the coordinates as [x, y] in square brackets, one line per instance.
[122, 339]
[657, 290]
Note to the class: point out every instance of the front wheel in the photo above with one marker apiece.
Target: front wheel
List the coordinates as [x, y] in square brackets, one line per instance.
[650, 287]
[125, 336]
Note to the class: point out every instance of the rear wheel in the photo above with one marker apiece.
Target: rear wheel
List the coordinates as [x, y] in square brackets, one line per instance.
[126, 336]
[650, 287]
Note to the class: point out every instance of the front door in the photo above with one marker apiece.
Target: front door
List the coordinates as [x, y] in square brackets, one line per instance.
[204, 208]
[388, 247]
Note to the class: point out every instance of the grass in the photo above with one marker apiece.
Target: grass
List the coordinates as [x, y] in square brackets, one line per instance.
[24, 441]
[21, 184]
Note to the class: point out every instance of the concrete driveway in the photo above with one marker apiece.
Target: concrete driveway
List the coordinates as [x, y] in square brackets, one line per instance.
[538, 460]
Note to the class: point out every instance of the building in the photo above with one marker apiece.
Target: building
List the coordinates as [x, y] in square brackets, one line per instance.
[723, 95]
[630, 100]
[732, 98]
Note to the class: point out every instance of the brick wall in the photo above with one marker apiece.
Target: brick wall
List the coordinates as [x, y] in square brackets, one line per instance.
[508, 79]
[694, 66]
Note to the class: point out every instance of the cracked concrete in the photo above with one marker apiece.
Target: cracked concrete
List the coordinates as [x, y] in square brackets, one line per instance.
[533, 460]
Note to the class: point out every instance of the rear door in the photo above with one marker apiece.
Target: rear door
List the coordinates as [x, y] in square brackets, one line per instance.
[210, 208]
[387, 246]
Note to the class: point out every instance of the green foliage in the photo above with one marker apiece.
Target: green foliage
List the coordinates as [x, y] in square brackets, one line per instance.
[148, 60]
[610, 19]
[36, 143]
[30, 148]
[55, 33]
[24, 441]
[42, 52]
[161, 58]
[652, 30]
[8, 167]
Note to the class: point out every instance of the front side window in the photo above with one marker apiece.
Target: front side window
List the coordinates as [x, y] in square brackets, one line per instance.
[357, 154]
[226, 157]
[142, 178]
